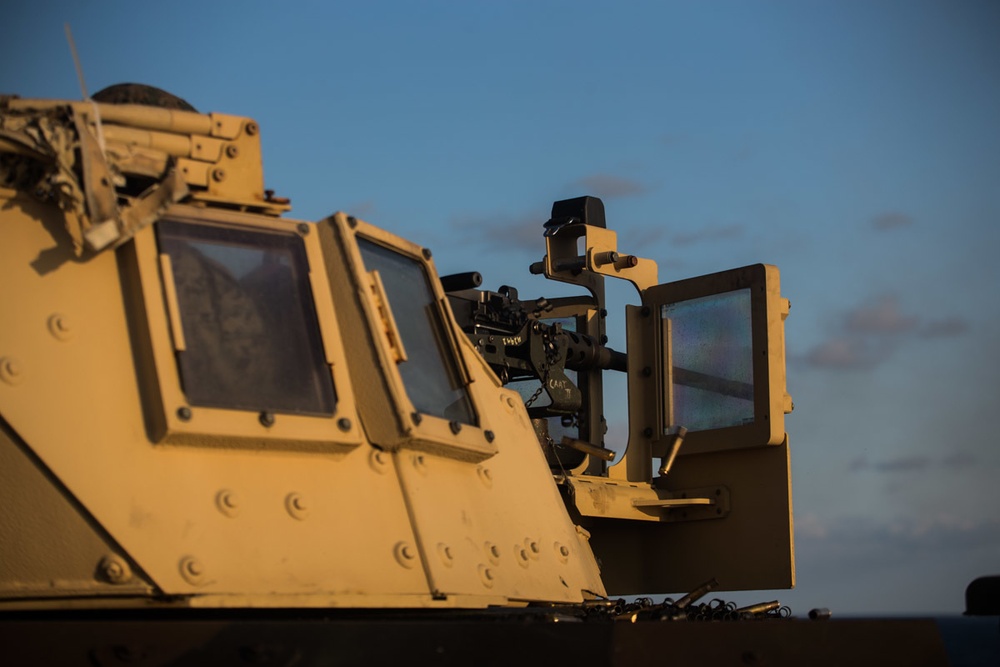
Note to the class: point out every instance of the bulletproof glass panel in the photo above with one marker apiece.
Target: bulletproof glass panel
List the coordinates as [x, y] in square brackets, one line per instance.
[429, 372]
[251, 336]
[711, 345]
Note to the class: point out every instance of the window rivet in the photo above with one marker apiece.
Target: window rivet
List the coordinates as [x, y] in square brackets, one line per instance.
[352, 221]
[267, 419]
[454, 426]
[184, 413]
[344, 424]
[427, 253]
[489, 436]
[303, 228]
[417, 418]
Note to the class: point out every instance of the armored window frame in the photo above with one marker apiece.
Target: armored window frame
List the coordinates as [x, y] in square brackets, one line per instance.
[171, 416]
[472, 440]
[767, 352]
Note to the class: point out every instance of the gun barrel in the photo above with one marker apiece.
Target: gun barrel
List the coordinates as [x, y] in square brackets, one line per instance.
[585, 353]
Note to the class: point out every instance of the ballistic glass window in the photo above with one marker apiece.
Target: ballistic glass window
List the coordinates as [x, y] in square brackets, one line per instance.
[712, 347]
[251, 335]
[430, 373]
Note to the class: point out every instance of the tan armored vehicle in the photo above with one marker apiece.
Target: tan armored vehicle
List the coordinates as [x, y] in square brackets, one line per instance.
[207, 404]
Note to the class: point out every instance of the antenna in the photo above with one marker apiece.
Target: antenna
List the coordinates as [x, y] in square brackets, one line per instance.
[83, 86]
[76, 62]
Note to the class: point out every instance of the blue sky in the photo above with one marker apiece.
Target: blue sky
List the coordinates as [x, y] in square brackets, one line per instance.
[856, 145]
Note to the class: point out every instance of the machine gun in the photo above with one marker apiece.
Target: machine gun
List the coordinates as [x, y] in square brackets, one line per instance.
[513, 337]
[551, 350]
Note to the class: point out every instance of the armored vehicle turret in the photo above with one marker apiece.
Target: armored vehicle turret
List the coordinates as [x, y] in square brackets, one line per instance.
[206, 403]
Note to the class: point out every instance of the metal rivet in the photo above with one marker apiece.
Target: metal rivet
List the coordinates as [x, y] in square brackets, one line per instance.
[232, 150]
[184, 413]
[646, 371]
[218, 174]
[114, 570]
[444, 552]
[192, 570]
[648, 432]
[344, 424]
[604, 340]
[417, 418]
[454, 426]
[486, 576]
[427, 253]
[485, 476]
[252, 128]
[266, 419]
[228, 502]
[296, 506]
[405, 554]
[59, 326]
[352, 221]
[489, 436]
[378, 460]
[645, 311]
[11, 370]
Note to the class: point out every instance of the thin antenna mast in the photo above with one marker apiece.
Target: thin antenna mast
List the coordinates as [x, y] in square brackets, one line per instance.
[76, 62]
[83, 86]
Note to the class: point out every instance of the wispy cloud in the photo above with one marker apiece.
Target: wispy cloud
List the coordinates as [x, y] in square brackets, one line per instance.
[912, 463]
[846, 352]
[951, 326]
[903, 464]
[960, 459]
[869, 333]
[518, 232]
[881, 315]
[891, 220]
[608, 186]
[874, 543]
